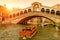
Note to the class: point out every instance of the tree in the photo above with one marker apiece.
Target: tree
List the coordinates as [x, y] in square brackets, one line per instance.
[55, 24]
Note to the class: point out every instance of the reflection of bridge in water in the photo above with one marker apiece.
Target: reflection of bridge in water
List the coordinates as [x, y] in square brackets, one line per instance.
[35, 11]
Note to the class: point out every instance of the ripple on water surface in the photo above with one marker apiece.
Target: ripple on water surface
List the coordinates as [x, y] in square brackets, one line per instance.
[11, 32]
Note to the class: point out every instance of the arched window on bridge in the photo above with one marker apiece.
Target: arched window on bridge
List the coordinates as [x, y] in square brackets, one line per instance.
[3, 18]
[21, 12]
[52, 11]
[14, 15]
[57, 12]
[17, 14]
[29, 10]
[47, 10]
[25, 11]
[42, 10]
[10, 16]
[7, 16]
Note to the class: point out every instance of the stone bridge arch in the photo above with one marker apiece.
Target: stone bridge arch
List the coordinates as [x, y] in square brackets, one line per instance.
[32, 14]
[24, 18]
[24, 21]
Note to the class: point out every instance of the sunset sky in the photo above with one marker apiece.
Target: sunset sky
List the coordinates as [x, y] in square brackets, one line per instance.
[26, 3]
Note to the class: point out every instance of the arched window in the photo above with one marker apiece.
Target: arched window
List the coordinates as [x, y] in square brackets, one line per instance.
[3, 18]
[14, 15]
[29, 10]
[47, 10]
[10, 16]
[52, 11]
[42, 10]
[25, 11]
[21, 12]
[18, 14]
[57, 12]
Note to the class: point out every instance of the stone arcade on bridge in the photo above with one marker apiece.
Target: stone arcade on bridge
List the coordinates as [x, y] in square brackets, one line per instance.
[37, 9]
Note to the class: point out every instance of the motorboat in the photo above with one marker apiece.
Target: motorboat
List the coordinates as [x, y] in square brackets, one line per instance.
[28, 31]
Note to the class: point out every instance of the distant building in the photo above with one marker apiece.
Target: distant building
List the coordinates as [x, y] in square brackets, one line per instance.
[57, 6]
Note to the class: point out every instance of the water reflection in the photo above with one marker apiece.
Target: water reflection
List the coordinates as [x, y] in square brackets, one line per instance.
[11, 32]
[56, 34]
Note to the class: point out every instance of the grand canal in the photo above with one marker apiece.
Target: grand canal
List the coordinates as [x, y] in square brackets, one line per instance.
[11, 32]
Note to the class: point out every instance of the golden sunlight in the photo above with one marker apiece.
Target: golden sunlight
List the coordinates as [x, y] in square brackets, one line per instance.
[9, 7]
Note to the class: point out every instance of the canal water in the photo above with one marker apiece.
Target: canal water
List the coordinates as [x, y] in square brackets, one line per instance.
[11, 32]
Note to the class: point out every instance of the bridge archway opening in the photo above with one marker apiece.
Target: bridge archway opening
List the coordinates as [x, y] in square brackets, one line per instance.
[52, 11]
[25, 11]
[36, 6]
[3, 19]
[57, 12]
[10, 16]
[14, 15]
[42, 10]
[47, 10]
[24, 21]
[38, 9]
[29, 10]
[21, 12]
[17, 14]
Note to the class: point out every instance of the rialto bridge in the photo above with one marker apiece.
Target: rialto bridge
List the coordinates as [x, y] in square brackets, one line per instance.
[35, 10]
